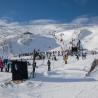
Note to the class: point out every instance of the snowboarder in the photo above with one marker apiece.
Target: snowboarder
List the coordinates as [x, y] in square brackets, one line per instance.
[49, 63]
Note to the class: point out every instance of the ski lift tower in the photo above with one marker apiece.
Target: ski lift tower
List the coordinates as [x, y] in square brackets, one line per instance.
[35, 54]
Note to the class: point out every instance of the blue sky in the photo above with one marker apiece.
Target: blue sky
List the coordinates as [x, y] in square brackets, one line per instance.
[60, 10]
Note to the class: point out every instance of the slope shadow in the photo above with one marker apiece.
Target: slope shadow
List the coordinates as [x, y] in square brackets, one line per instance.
[84, 33]
[26, 45]
[43, 78]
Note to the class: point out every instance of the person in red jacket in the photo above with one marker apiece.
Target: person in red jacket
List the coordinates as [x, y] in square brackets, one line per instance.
[1, 65]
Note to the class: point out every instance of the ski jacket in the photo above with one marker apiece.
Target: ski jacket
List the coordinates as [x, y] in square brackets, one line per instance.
[1, 63]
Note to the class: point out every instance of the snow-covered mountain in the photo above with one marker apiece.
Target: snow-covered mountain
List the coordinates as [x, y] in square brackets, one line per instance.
[17, 38]
[87, 34]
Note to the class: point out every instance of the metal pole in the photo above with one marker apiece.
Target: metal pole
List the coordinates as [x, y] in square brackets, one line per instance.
[33, 66]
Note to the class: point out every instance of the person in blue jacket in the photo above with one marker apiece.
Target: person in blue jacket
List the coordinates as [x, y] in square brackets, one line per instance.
[7, 64]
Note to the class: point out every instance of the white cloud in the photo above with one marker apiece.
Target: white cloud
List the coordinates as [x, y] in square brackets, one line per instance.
[6, 22]
[43, 21]
[84, 20]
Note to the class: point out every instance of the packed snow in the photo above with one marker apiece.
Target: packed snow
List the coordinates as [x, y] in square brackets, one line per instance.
[62, 81]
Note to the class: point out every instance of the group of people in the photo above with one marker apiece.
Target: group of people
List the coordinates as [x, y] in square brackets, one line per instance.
[77, 55]
[35, 66]
[5, 64]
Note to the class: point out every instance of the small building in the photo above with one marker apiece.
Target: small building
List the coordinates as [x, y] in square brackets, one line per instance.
[19, 70]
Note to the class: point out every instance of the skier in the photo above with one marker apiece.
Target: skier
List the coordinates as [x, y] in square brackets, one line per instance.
[5, 61]
[58, 53]
[65, 58]
[8, 65]
[55, 58]
[34, 66]
[84, 55]
[1, 65]
[77, 56]
[49, 63]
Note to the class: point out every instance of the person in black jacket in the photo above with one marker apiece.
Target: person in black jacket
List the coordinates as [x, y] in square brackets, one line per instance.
[49, 63]
[34, 68]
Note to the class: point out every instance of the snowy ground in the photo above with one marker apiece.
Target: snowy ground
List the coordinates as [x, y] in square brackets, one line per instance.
[63, 81]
